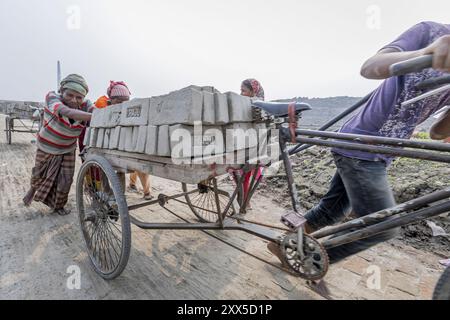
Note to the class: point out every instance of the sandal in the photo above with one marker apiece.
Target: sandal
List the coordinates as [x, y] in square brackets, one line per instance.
[28, 199]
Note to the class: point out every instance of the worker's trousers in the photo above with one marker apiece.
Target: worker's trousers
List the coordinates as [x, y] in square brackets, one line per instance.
[359, 186]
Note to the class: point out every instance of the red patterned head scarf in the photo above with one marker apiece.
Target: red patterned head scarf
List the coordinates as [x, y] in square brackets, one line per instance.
[118, 89]
[256, 87]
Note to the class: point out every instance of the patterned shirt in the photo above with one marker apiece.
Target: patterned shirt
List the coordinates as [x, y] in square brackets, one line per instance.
[59, 134]
[384, 114]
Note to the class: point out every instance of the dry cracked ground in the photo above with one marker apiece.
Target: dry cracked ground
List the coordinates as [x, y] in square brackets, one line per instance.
[38, 251]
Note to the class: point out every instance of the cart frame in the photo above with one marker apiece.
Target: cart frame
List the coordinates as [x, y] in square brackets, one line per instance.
[304, 254]
[34, 128]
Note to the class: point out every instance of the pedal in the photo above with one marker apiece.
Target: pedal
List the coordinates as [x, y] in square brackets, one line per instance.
[293, 220]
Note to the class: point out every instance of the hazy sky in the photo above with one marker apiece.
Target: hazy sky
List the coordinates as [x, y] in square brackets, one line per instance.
[295, 48]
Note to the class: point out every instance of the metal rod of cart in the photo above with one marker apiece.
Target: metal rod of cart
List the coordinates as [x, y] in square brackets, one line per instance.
[23, 119]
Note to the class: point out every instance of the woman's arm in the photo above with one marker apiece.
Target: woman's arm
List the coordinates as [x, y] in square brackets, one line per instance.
[441, 129]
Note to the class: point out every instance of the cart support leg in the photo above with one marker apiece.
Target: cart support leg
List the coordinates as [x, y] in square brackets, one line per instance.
[216, 196]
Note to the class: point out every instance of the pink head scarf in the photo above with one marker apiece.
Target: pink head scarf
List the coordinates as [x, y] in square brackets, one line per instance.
[118, 89]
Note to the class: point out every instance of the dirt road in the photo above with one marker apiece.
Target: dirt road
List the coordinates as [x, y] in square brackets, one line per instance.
[39, 253]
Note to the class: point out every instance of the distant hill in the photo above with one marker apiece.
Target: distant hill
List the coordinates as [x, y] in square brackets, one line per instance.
[325, 109]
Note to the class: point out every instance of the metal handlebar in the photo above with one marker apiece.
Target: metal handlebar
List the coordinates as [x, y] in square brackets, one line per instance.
[411, 66]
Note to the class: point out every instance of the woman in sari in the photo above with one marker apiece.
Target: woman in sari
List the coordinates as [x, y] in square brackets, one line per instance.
[251, 88]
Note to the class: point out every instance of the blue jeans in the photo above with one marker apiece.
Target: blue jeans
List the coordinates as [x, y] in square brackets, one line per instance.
[359, 185]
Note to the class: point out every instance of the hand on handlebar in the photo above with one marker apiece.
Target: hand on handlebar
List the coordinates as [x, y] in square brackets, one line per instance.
[436, 56]
[440, 49]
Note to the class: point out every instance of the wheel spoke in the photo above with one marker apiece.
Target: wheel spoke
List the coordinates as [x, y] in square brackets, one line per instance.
[113, 238]
[108, 244]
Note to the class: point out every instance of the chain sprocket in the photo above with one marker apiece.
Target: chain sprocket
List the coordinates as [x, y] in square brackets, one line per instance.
[314, 265]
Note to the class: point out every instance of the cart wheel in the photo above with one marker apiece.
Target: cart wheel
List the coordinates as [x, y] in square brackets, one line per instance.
[315, 264]
[203, 201]
[442, 290]
[104, 219]
[8, 130]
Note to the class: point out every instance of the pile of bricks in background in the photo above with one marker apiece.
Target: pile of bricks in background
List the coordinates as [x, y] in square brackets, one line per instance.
[149, 126]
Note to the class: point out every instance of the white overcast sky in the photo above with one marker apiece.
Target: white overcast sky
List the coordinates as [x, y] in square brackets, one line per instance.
[295, 48]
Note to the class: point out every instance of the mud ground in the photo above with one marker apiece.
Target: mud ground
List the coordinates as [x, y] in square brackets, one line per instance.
[39, 251]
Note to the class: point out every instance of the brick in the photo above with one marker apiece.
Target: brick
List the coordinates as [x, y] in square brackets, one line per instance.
[187, 143]
[114, 138]
[209, 112]
[135, 112]
[180, 107]
[106, 139]
[181, 141]
[239, 108]
[93, 137]
[106, 117]
[344, 279]
[395, 294]
[207, 89]
[113, 116]
[221, 109]
[100, 137]
[131, 139]
[151, 145]
[407, 268]
[263, 134]
[163, 141]
[240, 136]
[213, 141]
[97, 118]
[404, 283]
[141, 139]
[426, 287]
[124, 134]
[87, 137]
[367, 294]
[357, 265]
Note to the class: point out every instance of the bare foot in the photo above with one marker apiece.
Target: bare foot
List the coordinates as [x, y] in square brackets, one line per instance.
[62, 212]
[28, 199]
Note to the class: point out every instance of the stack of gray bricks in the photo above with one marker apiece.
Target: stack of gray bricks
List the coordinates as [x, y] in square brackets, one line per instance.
[159, 126]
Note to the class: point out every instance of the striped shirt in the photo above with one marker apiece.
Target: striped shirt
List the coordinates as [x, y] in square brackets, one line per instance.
[59, 134]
